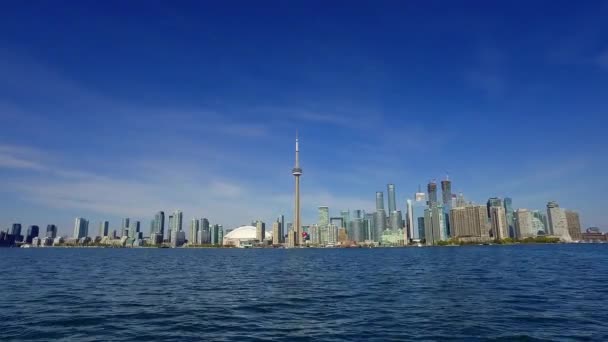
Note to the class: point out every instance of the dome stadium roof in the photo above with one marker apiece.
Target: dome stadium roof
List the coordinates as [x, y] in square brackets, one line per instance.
[246, 233]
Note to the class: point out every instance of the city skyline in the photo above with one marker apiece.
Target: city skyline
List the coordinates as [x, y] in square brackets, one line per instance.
[201, 116]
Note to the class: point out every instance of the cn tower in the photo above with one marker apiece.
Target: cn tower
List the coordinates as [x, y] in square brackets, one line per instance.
[297, 172]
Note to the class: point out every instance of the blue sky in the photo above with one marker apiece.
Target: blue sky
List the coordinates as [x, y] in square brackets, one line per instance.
[120, 109]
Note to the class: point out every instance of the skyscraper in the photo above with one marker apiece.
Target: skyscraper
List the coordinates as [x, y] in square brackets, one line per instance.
[104, 228]
[345, 214]
[51, 231]
[446, 193]
[434, 224]
[409, 218]
[276, 232]
[432, 191]
[574, 225]
[323, 216]
[159, 223]
[81, 228]
[16, 232]
[135, 230]
[260, 231]
[194, 227]
[499, 223]
[32, 232]
[380, 223]
[558, 224]
[390, 191]
[125, 227]
[524, 227]
[508, 203]
[178, 218]
[379, 200]
[282, 231]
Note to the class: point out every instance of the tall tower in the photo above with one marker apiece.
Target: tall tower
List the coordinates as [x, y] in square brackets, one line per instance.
[392, 205]
[296, 172]
[446, 192]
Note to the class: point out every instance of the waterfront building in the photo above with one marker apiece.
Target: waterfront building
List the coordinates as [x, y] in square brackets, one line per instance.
[508, 204]
[276, 232]
[470, 223]
[16, 232]
[392, 238]
[104, 228]
[178, 238]
[540, 222]
[323, 216]
[558, 224]
[260, 229]
[81, 228]
[282, 235]
[32, 232]
[357, 230]
[432, 191]
[498, 221]
[380, 223]
[178, 219]
[524, 226]
[392, 203]
[135, 230]
[194, 228]
[574, 225]
[220, 233]
[409, 219]
[125, 227]
[332, 234]
[51, 231]
[370, 227]
[204, 231]
[434, 224]
[315, 235]
[159, 224]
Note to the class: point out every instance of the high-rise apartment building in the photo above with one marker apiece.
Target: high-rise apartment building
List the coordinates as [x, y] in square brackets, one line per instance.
[379, 200]
[498, 220]
[194, 228]
[434, 224]
[323, 216]
[508, 204]
[409, 219]
[380, 223]
[32, 232]
[81, 228]
[524, 226]
[276, 232]
[574, 225]
[558, 224]
[51, 231]
[260, 231]
[470, 223]
[125, 227]
[104, 228]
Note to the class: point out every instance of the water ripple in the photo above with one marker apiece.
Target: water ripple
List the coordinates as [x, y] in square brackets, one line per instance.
[477, 293]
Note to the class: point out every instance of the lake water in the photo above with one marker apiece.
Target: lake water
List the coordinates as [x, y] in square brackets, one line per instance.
[523, 292]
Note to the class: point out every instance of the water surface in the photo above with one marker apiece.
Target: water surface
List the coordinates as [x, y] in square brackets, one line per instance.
[524, 292]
